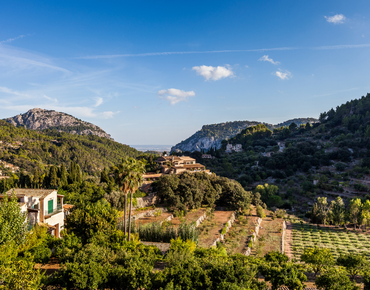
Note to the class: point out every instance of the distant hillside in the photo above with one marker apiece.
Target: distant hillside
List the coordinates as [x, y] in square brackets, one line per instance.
[211, 136]
[297, 121]
[40, 119]
[30, 149]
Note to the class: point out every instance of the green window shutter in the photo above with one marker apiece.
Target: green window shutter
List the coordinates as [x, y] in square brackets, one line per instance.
[50, 206]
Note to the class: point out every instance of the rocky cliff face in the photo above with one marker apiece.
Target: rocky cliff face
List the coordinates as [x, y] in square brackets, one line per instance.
[211, 136]
[40, 119]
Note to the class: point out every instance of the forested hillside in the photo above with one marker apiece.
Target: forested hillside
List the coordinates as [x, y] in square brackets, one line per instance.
[32, 150]
[40, 119]
[211, 136]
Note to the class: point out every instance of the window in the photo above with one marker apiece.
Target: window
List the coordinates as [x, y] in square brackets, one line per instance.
[50, 206]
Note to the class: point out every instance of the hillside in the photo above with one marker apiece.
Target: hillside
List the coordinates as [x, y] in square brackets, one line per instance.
[40, 119]
[211, 136]
[30, 149]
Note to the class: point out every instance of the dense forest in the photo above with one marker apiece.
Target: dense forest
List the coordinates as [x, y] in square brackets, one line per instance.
[30, 150]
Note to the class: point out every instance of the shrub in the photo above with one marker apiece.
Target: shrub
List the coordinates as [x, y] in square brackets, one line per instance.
[260, 212]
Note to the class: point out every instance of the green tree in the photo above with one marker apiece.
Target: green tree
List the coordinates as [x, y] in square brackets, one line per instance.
[129, 176]
[284, 274]
[338, 211]
[13, 226]
[335, 279]
[260, 212]
[318, 258]
[354, 263]
[88, 220]
[354, 211]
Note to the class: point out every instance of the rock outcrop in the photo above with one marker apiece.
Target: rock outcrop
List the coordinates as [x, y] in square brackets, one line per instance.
[211, 136]
[40, 119]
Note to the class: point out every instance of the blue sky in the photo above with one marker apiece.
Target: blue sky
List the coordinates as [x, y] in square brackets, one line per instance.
[154, 72]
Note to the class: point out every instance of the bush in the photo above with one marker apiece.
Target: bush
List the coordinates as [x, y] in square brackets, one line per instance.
[280, 213]
[335, 279]
[260, 212]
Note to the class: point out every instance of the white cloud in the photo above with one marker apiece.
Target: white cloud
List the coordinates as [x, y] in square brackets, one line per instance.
[283, 75]
[266, 58]
[336, 19]
[50, 99]
[213, 73]
[174, 95]
[12, 39]
[6, 90]
[99, 101]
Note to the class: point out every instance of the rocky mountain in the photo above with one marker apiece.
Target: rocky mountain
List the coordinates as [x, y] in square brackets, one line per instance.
[211, 136]
[40, 119]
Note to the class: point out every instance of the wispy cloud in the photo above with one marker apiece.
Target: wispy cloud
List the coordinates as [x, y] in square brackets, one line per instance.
[175, 95]
[108, 56]
[266, 58]
[99, 101]
[335, 92]
[12, 39]
[283, 75]
[336, 19]
[50, 99]
[8, 91]
[213, 73]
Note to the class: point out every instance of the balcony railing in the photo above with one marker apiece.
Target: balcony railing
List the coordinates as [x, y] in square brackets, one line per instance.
[56, 210]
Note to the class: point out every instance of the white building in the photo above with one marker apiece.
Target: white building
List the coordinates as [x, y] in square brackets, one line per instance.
[230, 148]
[43, 206]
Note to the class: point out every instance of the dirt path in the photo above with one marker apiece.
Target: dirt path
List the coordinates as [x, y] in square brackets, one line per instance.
[288, 239]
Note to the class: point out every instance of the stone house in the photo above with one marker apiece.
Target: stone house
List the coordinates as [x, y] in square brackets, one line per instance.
[174, 165]
[236, 148]
[43, 206]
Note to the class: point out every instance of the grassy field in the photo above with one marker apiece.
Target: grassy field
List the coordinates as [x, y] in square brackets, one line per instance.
[191, 217]
[269, 236]
[211, 228]
[236, 240]
[339, 241]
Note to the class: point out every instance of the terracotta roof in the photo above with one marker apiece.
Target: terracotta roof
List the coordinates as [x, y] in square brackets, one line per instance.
[186, 158]
[41, 193]
[68, 206]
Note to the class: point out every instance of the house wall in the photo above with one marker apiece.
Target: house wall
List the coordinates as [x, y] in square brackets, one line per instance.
[56, 219]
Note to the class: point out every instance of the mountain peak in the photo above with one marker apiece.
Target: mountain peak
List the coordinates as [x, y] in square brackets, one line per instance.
[41, 119]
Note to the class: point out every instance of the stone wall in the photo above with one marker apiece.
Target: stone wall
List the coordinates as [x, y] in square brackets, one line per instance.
[163, 247]
[200, 220]
[146, 201]
[283, 238]
[228, 226]
[253, 237]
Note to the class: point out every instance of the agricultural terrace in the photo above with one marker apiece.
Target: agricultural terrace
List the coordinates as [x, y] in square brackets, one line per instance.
[339, 241]
[191, 217]
[211, 228]
[269, 236]
[236, 240]
[159, 216]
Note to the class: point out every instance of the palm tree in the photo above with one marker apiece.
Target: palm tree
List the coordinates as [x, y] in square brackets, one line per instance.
[128, 176]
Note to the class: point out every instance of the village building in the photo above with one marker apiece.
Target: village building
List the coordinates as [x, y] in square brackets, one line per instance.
[174, 165]
[236, 148]
[43, 206]
[207, 156]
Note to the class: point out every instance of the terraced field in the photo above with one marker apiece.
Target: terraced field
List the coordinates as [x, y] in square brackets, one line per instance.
[211, 228]
[339, 241]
